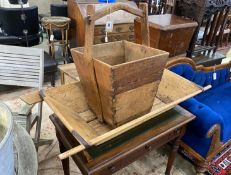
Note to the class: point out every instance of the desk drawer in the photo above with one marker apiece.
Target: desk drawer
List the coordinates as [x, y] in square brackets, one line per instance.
[125, 157]
[129, 36]
[117, 29]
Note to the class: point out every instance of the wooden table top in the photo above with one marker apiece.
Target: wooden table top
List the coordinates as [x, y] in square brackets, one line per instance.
[70, 70]
[170, 22]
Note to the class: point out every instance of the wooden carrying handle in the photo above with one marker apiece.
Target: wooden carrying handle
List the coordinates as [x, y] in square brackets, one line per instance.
[93, 15]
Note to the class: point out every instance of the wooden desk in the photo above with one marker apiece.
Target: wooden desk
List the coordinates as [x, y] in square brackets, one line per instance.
[168, 32]
[121, 151]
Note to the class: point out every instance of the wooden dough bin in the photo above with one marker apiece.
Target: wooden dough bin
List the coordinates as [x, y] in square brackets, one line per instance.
[69, 104]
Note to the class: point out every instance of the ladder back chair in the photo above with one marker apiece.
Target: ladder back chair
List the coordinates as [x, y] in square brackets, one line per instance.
[23, 66]
[211, 16]
[156, 7]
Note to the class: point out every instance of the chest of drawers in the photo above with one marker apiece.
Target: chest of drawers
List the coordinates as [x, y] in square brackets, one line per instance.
[123, 28]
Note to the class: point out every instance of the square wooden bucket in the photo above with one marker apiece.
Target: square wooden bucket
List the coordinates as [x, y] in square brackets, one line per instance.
[127, 76]
[120, 79]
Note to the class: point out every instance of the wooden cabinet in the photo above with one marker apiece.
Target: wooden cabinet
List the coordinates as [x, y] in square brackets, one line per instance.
[168, 32]
[123, 23]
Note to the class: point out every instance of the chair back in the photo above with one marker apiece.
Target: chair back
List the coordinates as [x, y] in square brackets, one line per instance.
[214, 27]
[158, 6]
[21, 66]
[58, 10]
[210, 15]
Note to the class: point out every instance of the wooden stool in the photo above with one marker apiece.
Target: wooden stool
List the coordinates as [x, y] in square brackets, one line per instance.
[53, 24]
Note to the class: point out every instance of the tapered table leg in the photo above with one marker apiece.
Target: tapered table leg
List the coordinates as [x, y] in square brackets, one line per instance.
[65, 162]
[172, 155]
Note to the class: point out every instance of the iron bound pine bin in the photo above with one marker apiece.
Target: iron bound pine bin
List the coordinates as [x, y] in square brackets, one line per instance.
[120, 79]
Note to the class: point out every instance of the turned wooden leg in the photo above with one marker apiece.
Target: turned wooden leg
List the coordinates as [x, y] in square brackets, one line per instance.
[65, 162]
[53, 79]
[172, 155]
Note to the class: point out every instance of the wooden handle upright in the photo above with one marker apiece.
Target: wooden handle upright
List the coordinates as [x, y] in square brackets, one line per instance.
[93, 15]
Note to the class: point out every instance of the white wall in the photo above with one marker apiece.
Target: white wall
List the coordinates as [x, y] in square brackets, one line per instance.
[44, 5]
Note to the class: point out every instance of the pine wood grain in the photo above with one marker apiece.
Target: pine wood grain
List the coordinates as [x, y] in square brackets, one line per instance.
[106, 133]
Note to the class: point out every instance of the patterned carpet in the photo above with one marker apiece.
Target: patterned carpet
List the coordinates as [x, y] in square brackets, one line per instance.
[153, 163]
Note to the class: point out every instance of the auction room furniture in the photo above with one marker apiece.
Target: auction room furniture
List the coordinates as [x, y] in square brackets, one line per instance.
[209, 134]
[23, 66]
[50, 68]
[226, 34]
[168, 32]
[158, 6]
[128, 147]
[211, 16]
[123, 24]
[12, 25]
[53, 24]
[68, 73]
[58, 10]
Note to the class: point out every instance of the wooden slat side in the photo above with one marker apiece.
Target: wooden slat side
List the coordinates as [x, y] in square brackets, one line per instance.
[88, 82]
[182, 87]
[107, 50]
[72, 121]
[88, 116]
[101, 128]
[104, 76]
[157, 104]
[135, 51]
[121, 129]
[31, 98]
[127, 76]
[134, 103]
[71, 95]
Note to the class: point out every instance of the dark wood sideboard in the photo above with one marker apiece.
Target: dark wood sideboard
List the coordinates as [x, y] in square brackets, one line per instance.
[168, 32]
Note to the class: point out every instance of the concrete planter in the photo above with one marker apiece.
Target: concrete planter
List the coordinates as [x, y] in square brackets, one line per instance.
[6, 143]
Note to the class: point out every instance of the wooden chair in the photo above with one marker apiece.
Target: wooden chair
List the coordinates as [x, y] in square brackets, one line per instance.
[211, 17]
[226, 34]
[158, 6]
[23, 66]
